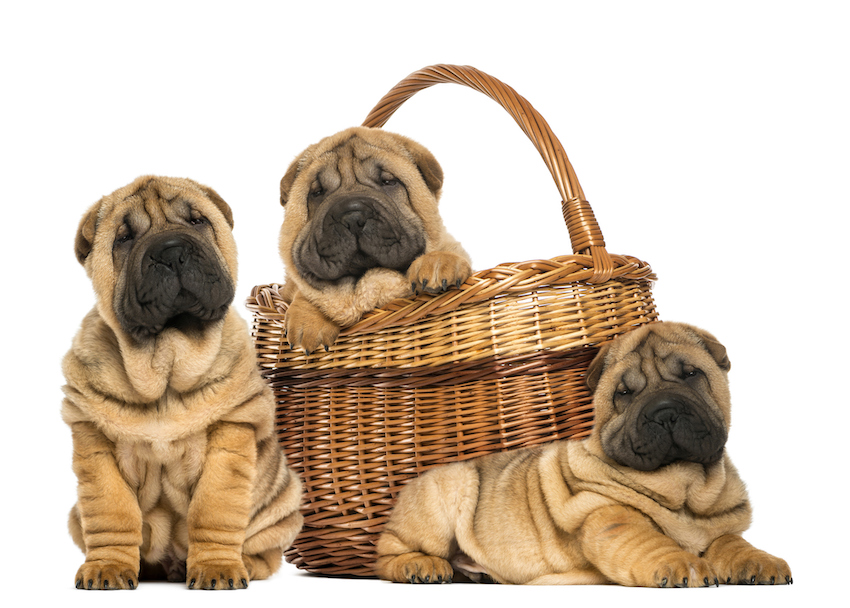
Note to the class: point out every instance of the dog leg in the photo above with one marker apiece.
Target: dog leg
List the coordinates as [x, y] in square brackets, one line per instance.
[107, 518]
[419, 539]
[274, 527]
[438, 271]
[628, 548]
[220, 509]
[737, 562]
[307, 327]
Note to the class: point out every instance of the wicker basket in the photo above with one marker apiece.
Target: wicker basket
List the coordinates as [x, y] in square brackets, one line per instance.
[495, 365]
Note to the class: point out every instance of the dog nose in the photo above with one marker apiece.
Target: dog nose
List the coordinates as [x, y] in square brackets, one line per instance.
[169, 252]
[665, 411]
[352, 214]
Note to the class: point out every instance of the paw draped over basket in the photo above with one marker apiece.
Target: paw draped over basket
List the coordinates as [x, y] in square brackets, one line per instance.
[496, 365]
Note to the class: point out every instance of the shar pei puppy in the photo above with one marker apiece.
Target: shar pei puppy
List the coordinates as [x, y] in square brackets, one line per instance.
[361, 228]
[649, 499]
[180, 476]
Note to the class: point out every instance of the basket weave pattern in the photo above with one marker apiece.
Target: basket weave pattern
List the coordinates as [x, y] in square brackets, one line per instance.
[498, 364]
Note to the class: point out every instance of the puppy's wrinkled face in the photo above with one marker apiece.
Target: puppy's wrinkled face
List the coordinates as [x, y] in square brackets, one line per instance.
[161, 255]
[356, 201]
[662, 396]
[358, 218]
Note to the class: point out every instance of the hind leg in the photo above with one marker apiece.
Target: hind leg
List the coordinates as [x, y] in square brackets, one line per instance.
[419, 539]
[262, 565]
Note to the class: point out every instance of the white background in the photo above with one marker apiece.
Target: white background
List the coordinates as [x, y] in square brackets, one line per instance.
[711, 139]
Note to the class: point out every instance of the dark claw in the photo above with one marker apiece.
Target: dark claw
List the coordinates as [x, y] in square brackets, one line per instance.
[772, 580]
[789, 580]
[424, 284]
[230, 583]
[80, 583]
[458, 283]
[212, 584]
[131, 584]
[106, 584]
[753, 579]
[445, 284]
[728, 580]
[244, 584]
[427, 578]
[306, 352]
[413, 286]
[663, 582]
[192, 584]
[412, 579]
[327, 349]
[705, 582]
[91, 583]
[716, 582]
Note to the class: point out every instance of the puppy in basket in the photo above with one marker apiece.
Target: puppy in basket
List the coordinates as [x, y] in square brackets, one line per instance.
[361, 228]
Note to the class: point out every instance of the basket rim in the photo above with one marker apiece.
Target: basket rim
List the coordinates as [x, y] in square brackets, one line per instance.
[509, 278]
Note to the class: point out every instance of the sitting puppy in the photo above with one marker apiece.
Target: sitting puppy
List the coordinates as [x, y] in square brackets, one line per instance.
[649, 499]
[361, 228]
[180, 475]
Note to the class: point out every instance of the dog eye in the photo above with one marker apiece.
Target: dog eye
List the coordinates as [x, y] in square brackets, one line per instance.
[198, 221]
[124, 235]
[689, 373]
[388, 179]
[317, 192]
[624, 392]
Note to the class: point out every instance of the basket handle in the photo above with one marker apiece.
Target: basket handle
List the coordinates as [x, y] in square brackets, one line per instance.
[585, 235]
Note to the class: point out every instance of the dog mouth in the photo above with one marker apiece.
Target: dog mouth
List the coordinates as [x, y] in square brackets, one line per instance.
[353, 235]
[667, 429]
[177, 283]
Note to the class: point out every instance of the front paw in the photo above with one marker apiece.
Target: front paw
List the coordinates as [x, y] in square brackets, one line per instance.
[739, 563]
[217, 575]
[438, 271]
[308, 329]
[107, 575]
[756, 568]
[681, 569]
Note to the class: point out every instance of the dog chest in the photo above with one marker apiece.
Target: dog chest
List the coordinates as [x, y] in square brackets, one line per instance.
[157, 470]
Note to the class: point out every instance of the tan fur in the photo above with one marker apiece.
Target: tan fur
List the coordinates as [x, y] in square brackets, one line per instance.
[566, 513]
[315, 315]
[174, 445]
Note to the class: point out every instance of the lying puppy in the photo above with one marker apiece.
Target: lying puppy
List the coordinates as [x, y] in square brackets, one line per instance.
[649, 499]
[180, 475]
[361, 228]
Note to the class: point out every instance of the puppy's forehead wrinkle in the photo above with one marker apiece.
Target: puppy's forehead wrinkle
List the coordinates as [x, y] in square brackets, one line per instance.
[635, 378]
[367, 171]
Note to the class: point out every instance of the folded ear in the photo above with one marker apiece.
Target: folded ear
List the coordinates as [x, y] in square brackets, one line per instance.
[289, 177]
[85, 233]
[430, 169]
[218, 202]
[597, 366]
[714, 348]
